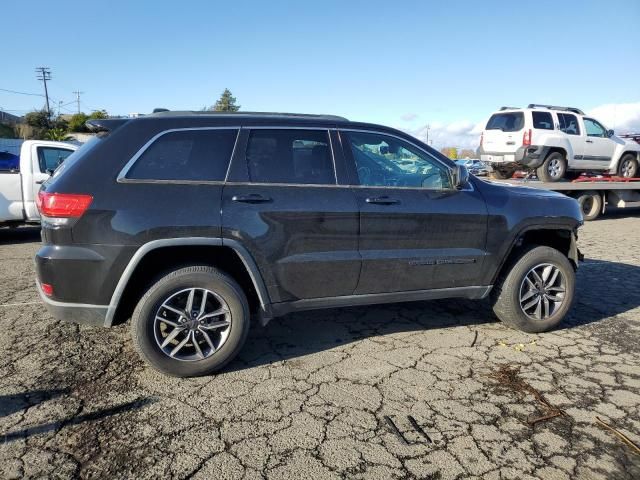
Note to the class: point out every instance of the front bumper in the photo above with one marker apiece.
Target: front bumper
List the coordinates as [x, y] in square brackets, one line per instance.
[82, 313]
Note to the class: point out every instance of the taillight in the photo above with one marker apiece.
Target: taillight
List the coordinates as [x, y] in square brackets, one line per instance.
[47, 289]
[62, 205]
[526, 137]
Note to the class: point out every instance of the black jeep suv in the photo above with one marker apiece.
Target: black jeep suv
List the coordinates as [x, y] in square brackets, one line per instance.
[192, 223]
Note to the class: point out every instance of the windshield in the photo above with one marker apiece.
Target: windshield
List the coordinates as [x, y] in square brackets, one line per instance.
[507, 122]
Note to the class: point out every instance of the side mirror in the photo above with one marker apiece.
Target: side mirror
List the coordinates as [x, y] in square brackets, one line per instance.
[610, 133]
[460, 176]
[50, 171]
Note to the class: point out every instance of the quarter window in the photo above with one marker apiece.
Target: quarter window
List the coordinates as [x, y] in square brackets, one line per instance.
[594, 129]
[290, 156]
[191, 155]
[542, 120]
[568, 124]
[386, 161]
[49, 158]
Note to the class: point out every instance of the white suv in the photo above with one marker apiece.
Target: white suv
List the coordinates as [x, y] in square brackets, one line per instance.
[556, 142]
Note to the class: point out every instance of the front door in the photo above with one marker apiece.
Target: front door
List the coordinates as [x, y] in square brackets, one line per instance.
[287, 209]
[598, 147]
[416, 231]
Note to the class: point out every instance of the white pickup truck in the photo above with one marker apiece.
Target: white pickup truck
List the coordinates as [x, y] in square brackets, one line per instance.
[20, 181]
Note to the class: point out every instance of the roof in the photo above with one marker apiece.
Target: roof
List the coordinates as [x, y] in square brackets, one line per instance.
[270, 115]
[533, 106]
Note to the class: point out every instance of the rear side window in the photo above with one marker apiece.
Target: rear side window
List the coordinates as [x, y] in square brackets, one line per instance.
[568, 124]
[542, 120]
[507, 122]
[187, 155]
[9, 162]
[290, 156]
[51, 158]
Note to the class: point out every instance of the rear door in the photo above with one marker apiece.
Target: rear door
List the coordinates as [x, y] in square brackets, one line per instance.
[283, 203]
[416, 232]
[598, 147]
[503, 136]
[568, 123]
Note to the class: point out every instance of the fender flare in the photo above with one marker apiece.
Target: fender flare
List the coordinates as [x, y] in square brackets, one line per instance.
[245, 257]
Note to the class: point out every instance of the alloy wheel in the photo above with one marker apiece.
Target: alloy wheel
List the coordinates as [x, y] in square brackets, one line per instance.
[192, 324]
[627, 168]
[542, 291]
[554, 168]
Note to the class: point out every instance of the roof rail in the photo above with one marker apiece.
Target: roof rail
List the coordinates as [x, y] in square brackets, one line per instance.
[555, 107]
[168, 113]
[508, 108]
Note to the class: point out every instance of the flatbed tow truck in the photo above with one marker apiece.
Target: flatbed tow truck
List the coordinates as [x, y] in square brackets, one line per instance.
[593, 192]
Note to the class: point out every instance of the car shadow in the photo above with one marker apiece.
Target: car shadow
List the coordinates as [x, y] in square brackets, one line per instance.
[24, 234]
[14, 403]
[305, 333]
[88, 417]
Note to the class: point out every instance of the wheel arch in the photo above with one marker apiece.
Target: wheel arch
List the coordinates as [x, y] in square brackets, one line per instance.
[227, 254]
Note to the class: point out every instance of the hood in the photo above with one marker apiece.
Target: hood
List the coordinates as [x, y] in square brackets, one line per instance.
[525, 190]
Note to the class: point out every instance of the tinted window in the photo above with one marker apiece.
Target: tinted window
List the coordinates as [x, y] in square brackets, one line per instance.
[594, 129]
[542, 120]
[50, 158]
[186, 155]
[386, 161]
[9, 162]
[507, 122]
[568, 123]
[290, 156]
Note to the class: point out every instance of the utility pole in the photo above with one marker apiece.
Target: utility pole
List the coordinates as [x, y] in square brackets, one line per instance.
[428, 128]
[44, 74]
[59, 108]
[77, 93]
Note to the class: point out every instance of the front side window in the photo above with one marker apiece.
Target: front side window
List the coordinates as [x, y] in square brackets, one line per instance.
[594, 128]
[290, 156]
[542, 120]
[191, 155]
[386, 161]
[568, 124]
[50, 158]
[507, 122]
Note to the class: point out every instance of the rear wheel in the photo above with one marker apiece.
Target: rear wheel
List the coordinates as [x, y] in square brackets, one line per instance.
[191, 322]
[536, 291]
[502, 173]
[553, 168]
[628, 167]
[591, 204]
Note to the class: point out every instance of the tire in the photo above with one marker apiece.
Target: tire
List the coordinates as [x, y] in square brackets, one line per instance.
[628, 167]
[553, 168]
[223, 294]
[506, 293]
[590, 204]
[502, 173]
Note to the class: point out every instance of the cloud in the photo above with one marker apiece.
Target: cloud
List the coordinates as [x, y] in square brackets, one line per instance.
[622, 117]
[409, 117]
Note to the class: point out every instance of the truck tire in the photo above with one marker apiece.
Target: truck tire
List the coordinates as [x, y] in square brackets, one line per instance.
[191, 322]
[553, 168]
[628, 167]
[590, 204]
[503, 173]
[535, 291]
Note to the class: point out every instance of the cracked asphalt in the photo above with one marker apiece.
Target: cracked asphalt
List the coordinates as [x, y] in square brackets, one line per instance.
[309, 395]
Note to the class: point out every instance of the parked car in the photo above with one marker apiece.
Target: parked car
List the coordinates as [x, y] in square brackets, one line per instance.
[474, 166]
[556, 142]
[194, 223]
[21, 177]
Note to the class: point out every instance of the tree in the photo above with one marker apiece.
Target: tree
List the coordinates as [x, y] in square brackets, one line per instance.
[467, 153]
[226, 103]
[38, 119]
[57, 134]
[76, 124]
[98, 114]
[451, 152]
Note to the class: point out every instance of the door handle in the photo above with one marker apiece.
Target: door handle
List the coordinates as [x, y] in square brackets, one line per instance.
[589, 141]
[250, 198]
[384, 200]
[40, 182]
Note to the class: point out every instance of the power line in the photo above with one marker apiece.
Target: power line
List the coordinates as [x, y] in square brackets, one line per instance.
[44, 74]
[21, 93]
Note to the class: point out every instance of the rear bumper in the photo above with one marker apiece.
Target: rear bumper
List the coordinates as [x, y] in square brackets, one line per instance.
[530, 156]
[82, 313]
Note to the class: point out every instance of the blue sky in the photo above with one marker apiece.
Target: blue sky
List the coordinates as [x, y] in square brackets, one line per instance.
[443, 63]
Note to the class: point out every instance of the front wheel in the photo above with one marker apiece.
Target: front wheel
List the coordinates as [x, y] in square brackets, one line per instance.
[192, 322]
[628, 167]
[536, 291]
[553, 168]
